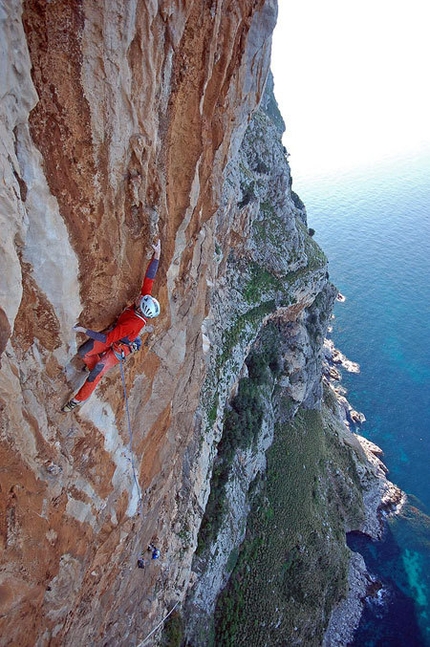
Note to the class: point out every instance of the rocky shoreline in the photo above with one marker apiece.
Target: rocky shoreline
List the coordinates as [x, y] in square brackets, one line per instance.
[346, 616]
[380, 498]
[334, 362]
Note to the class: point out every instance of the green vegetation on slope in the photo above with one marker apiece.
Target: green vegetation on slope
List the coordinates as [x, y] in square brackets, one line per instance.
[292, 567]
[173, 631]
[242, 424]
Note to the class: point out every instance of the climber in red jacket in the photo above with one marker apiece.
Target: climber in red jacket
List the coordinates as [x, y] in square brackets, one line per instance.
[106, 349]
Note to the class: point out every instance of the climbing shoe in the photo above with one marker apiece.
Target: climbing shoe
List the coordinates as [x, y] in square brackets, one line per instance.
[70, 405]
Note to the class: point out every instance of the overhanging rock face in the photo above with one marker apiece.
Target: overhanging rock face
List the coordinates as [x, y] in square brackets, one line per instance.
[118, 122]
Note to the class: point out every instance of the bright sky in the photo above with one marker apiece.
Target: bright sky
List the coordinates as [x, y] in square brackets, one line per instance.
[352, 81]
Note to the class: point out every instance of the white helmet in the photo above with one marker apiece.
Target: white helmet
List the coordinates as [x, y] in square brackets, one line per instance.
[149, 306]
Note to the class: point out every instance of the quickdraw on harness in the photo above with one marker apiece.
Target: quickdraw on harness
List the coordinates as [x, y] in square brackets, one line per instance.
[120, 354]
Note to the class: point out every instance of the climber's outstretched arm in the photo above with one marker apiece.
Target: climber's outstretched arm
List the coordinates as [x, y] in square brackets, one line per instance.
[151, 270]
[120, 331]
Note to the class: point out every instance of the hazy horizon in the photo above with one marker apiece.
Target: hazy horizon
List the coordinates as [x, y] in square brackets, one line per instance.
[351, 82]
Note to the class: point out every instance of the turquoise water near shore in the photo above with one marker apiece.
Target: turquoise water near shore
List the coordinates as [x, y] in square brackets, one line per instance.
[374, 225]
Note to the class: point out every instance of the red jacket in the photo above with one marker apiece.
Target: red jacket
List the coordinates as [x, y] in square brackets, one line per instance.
[130, 322]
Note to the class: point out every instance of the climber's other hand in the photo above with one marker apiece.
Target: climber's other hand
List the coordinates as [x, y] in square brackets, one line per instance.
[78, 328]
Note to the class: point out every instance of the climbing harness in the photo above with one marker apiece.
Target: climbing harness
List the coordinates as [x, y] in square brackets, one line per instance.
[158, 626]
[130, 432]
[119, 347]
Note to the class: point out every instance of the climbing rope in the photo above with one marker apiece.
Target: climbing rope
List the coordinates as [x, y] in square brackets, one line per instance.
[130, 434]
[158, 626]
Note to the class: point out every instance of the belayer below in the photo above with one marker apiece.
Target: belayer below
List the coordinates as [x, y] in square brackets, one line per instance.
[106, 349]
[155, 551]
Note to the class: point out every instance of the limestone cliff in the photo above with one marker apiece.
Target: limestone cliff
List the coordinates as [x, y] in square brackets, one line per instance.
[117, 121]
[122, 122]
[267, 370]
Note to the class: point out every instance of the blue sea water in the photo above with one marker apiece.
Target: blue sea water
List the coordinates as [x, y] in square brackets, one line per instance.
[374, 225]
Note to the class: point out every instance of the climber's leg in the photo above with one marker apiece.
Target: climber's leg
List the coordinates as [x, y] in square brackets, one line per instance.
[106, 362]
[90, 352]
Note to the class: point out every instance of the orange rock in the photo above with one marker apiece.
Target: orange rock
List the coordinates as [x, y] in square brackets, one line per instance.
[138, 110]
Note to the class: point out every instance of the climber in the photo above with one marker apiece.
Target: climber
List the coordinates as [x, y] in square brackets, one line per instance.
[106, 349]
[155, 551]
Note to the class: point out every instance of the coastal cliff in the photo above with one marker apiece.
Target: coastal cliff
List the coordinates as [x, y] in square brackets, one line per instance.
[289, 477]
[122, 123]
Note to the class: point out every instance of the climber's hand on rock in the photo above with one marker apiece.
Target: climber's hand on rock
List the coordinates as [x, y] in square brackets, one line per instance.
[78, 328]
[157, 249]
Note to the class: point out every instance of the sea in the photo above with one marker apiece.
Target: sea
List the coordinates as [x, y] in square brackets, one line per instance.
[374, 225]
